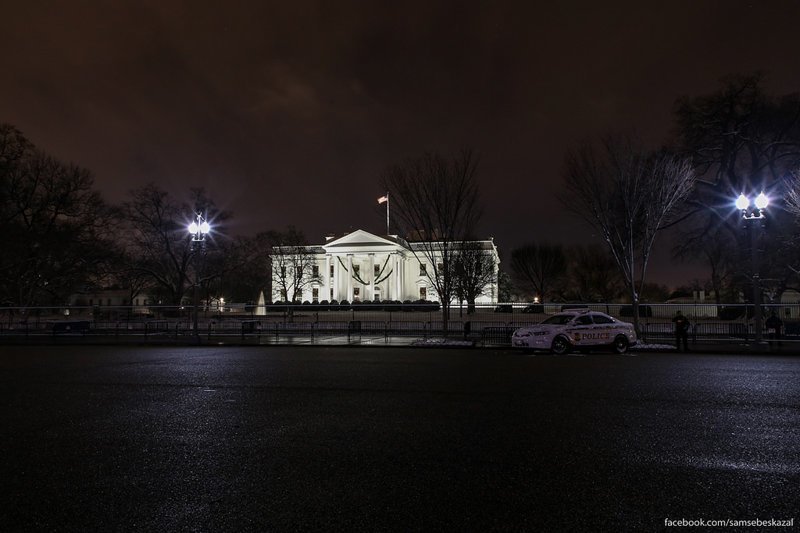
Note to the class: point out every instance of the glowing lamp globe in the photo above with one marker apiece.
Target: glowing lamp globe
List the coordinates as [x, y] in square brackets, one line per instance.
[742, 202]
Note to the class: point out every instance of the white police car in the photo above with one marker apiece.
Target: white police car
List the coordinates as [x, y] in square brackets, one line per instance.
[581, 329]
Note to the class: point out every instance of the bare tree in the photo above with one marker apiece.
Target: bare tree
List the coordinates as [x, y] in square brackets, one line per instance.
[158, 245]
[740, 139]
[247, 268]
[435, 205]
[539, 267]
[628, 194]
[475, 269]
[793, 195]
[54, 225]
[593, 275]
[793, 207]
[293, 262]
[715, 248]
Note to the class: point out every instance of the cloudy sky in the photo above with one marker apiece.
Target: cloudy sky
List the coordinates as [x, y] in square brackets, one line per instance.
[287, 113]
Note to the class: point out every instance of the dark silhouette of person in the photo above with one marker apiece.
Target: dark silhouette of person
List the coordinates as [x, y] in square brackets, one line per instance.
[774, 324]
[681, 331]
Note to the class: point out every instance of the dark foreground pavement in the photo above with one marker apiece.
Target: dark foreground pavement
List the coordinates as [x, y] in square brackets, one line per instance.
[276, 438]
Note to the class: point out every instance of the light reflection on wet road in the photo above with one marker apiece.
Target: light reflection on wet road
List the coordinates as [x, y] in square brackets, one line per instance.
[277, 438]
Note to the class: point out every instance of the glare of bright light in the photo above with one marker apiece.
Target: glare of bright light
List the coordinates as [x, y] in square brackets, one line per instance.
[199, 227]
[762, 201]
[742, 202]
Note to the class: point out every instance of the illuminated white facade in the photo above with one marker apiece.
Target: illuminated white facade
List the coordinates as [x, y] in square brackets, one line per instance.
[364, 267]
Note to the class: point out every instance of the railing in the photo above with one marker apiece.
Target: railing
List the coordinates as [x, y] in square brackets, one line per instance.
[489, 325]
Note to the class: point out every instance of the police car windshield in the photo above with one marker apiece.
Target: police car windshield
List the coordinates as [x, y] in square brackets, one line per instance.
[558, 319]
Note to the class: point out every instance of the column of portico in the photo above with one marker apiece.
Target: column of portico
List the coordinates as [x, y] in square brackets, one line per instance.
[371, 277]
[398, 277]
[335, 277]
[326, 276]
[350, 278]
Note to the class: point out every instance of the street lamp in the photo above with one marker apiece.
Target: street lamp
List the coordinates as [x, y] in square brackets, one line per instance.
[753, 216]
[198, 230]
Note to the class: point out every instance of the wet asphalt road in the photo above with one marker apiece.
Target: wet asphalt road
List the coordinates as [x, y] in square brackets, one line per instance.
[282, 439]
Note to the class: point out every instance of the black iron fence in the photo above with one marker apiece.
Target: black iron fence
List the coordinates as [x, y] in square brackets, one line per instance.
[489, 325]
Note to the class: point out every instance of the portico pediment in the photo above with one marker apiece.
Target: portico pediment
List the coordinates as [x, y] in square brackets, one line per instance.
[361, 240]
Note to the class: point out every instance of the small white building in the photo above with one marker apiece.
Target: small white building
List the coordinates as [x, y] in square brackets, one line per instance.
[364, 267]
[110, 298]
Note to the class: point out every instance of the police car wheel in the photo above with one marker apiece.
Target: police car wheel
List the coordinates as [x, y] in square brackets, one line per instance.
[621, 344]
[560, 345]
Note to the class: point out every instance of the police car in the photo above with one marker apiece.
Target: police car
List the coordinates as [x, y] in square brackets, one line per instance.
[579, 328]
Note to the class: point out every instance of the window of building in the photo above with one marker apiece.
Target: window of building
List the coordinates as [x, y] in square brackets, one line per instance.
[423, 269]
[356, 292]
[440, 266]
[423, 293]
[315, 271]
[283, 271]
[315, 295]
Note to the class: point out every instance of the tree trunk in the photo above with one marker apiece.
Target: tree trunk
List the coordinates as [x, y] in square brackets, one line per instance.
[635, 309]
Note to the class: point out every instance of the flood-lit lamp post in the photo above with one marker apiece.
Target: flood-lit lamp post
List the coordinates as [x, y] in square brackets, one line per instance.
[198, 230]
[753, 216]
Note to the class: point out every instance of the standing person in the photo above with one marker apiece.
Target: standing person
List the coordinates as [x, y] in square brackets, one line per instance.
[681, 331]
[774, 324]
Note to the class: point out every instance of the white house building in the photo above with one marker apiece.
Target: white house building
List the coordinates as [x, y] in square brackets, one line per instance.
[364, 267]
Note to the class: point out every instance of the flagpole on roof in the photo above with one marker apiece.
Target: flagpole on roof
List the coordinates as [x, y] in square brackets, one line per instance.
[385, 200]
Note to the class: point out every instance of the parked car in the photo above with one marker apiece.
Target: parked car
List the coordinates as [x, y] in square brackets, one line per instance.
[504, 308]
[581, 329]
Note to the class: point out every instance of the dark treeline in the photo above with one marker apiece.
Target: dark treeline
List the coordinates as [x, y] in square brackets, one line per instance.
[738, 139]
[61, 238]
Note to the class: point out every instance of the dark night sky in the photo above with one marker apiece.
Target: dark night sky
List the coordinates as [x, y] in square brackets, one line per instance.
[287, 114]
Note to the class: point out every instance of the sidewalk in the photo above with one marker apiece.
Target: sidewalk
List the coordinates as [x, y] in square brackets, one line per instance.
[786, 347]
